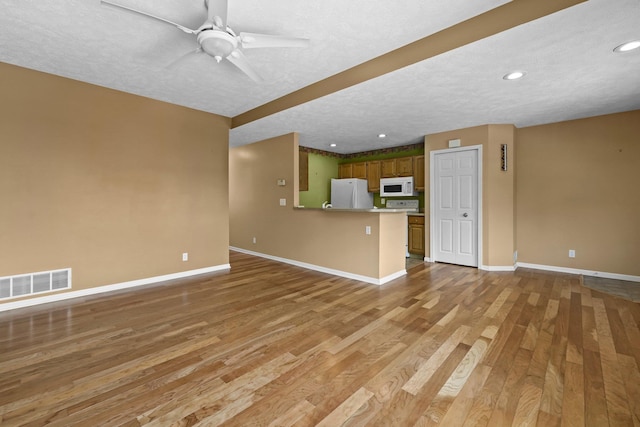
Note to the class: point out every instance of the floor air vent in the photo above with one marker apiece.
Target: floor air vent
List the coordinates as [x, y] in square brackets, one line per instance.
[34, 283]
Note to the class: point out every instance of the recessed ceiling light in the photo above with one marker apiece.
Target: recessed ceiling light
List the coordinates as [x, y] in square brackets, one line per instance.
[515, 75]
[626, 47]
[382, 135]
[333, 145]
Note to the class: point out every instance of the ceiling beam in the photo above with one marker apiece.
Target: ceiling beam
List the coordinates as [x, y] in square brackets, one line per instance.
[494, 21]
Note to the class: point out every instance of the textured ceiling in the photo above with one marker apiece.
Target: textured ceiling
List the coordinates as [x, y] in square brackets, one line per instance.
[571, 69]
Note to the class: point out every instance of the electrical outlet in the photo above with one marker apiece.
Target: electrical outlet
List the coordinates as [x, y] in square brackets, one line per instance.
[367, 229]
[383, 201]
[185, 256]
[254, 240]
[283, 202]
[572, 253]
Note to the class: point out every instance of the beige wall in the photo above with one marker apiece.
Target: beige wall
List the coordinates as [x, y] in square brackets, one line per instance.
[578, 187]
[333, 240]
[499, 195]
[498, 189]
[113, 185]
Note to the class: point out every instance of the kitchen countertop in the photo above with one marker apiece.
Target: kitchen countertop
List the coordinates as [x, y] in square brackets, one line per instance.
[415, 213]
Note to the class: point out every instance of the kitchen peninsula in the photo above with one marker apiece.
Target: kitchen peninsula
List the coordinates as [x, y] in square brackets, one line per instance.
[366, 244]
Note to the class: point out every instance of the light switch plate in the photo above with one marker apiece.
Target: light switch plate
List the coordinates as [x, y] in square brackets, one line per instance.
[283, 202]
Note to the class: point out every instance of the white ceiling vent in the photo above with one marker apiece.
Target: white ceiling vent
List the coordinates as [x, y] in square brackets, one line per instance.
[34, 283]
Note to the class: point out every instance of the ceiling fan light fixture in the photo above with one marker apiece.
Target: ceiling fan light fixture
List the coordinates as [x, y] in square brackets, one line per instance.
[626, 47]
[514, 75]
[218, 44]
[219, 41]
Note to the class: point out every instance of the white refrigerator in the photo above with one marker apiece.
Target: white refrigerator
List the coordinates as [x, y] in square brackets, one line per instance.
[350, 193]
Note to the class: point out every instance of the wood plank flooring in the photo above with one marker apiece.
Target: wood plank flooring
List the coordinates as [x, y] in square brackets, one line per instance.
[268, 344]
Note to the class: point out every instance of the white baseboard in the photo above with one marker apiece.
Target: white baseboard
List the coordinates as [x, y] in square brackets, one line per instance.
[108, 288]
[488, 267]
[592, 273]
[498, 267]
[321, 269]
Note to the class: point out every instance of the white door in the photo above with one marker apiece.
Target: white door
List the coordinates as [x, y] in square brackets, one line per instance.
[455, 207]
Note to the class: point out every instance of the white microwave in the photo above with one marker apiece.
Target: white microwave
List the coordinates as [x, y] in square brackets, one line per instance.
[397, 187]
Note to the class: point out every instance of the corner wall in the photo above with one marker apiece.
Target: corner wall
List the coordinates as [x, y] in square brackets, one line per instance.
[578, 188]
[113, 185]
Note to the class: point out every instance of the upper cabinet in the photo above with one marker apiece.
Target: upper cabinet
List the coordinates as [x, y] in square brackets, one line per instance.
[402, 166]
[418, 175]
[373, 176]
[303, 170]
[345, 170]
[373, 170]
[353, 170]
[359, 170]
[388, 168]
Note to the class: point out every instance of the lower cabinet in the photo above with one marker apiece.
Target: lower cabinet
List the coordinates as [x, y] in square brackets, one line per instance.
[416, 235]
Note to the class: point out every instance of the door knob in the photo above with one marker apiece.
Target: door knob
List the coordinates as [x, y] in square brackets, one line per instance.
[465, 214]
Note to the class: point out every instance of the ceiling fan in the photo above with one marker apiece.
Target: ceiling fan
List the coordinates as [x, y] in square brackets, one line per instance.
[218, 40]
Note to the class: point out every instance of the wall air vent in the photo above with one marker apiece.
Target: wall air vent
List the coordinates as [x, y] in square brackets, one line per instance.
[34, 283]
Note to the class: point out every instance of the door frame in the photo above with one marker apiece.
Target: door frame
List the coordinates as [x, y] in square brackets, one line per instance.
[432, 226]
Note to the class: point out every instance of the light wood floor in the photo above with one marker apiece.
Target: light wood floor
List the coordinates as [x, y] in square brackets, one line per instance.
[269, 344]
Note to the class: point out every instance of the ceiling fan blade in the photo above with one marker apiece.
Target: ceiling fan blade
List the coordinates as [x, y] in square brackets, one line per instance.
[218, 8]
[238, 59]
[119, 6]
[255, 41]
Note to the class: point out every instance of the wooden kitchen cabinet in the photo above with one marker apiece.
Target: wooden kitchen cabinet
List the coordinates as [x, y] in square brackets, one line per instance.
[416, 235]
[303, 171]
[345, 170]
[418, 175]
[373, 176]
[388, 168]
[404, 166]
[359, 170]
